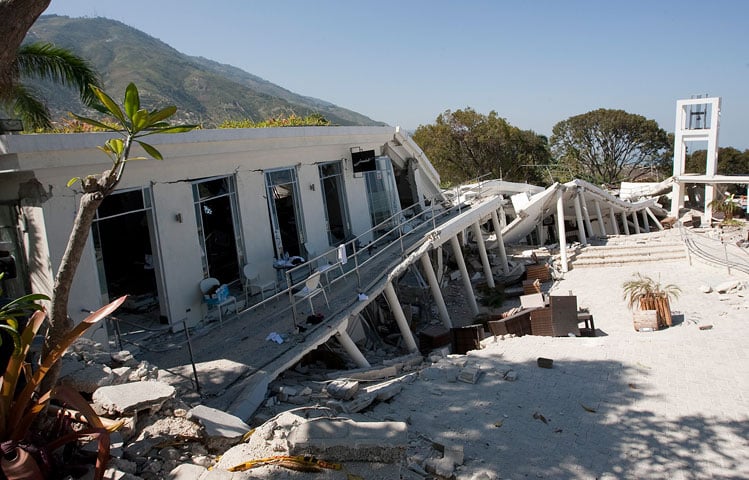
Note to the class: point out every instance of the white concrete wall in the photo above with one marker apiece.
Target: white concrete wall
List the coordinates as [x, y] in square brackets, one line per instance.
[244, 153]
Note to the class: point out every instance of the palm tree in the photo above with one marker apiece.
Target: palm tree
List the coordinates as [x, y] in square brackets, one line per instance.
[46, 61]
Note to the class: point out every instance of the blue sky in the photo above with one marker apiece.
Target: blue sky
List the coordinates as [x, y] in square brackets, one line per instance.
[534, 62]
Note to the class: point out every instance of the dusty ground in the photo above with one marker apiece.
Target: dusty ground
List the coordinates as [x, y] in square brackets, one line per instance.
[625, 404]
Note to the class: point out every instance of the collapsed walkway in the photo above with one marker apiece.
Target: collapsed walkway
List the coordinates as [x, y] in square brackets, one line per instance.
[236, 360]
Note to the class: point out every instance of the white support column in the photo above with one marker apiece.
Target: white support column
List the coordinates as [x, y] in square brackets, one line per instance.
[482, 253]
[560, 231]
[636, 221]
[500, 243]
[351, 349]
[625, 222]
[470, 295]
[601, 226]
[677, 198]
[614, 222]
[645, 222]
[586, 215]
[655, 219]
[400, 318]
[580, 224]
[541, 233]
[436, 292]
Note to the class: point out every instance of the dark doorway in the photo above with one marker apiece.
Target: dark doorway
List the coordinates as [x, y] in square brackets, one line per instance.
[216, 215]
[334, 199]
[124, 254]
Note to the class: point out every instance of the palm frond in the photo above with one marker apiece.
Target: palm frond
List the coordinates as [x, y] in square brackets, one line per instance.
[26, 104]
[47, 61]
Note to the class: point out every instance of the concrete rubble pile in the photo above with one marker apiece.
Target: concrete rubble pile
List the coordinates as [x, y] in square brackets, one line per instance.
[339, 416]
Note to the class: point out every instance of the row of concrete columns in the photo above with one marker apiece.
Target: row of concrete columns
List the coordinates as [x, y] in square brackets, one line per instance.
[583, 222]
[431, 277]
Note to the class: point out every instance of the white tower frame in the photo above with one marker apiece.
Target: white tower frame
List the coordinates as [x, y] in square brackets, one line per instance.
[684, 134]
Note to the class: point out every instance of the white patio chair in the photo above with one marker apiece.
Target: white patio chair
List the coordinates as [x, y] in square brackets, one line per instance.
[253, 285]
[312, 288]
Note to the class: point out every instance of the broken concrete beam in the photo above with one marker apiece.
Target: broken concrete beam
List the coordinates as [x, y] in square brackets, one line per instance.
[342, 389]
[132, 397]
[384, 391]
[373, 373]
[340, 440]
[405, 361]
[359, 403]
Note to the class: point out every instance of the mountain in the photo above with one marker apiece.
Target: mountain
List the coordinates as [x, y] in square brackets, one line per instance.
[204, 91]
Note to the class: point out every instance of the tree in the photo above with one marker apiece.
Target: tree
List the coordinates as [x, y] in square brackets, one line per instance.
[608, 146]
[131, 122]
[464, 145]
[46, 61]
[17, 17]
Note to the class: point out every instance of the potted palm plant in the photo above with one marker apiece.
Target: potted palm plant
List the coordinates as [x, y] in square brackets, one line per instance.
[727, 206]
[647, 294]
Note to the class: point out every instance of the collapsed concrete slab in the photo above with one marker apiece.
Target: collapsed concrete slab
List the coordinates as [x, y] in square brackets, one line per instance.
[341, 439]
[132, 397]
[221, 429]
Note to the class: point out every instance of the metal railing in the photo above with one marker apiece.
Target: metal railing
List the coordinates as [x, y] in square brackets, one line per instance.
[397, 231]
[720, 251]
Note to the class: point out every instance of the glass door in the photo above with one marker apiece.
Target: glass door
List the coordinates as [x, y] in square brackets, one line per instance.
[285, 209]
[220, 237]
[381, 194]
[334, 199]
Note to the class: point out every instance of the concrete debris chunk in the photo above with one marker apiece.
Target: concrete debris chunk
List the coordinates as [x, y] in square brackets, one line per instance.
[341, 440]
[132, 397]
[187, 471]
[89, 378]
[442, 467]
[342, 389]
[470, 374]
[218, 423]
[511, 376]
[359, 403]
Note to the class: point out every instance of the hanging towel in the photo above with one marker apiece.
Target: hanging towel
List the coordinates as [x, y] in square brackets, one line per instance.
[342, 259]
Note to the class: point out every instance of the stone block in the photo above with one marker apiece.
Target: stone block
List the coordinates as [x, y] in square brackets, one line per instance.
[342, 389]
[341, 440]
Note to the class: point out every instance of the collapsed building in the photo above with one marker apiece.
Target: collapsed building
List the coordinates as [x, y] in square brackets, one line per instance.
[310, 229]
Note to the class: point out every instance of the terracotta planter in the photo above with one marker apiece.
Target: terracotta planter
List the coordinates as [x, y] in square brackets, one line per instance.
[20, 465]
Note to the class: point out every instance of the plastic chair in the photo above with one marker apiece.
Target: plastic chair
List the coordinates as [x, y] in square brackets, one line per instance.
[207, 285]
[326, 267]
[253, 285]
[312, 288]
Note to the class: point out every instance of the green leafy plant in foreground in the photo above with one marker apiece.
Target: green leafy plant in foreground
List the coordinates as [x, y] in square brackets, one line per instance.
[22, 397]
